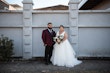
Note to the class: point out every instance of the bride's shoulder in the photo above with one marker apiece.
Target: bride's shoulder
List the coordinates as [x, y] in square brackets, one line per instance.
[65, 32]
[57, 32]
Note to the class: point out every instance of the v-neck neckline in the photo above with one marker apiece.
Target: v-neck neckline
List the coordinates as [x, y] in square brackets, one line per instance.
[61, 33]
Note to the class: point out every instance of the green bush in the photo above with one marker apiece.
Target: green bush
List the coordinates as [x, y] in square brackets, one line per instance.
[6, 48]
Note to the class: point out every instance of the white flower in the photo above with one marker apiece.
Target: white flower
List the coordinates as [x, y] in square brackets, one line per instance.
[58, 39]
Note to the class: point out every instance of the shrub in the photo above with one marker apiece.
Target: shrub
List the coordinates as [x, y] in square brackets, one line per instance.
[6, 48]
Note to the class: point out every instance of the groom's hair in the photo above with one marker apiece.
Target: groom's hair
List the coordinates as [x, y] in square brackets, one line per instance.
[49, 23]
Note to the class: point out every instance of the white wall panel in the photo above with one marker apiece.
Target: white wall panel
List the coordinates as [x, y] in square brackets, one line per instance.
[16, 35]
[11, 19]
[56, 19]
[94, 42]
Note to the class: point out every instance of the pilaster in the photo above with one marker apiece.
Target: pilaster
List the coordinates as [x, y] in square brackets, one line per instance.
[73, 22]
[27, 29]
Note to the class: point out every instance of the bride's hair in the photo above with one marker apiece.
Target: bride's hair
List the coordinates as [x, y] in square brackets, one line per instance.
[61, 26]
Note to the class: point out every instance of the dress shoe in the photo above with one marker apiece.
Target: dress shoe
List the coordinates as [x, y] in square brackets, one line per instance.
[46, 63]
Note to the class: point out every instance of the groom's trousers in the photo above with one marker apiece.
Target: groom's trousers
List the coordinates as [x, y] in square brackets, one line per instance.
[48, 53]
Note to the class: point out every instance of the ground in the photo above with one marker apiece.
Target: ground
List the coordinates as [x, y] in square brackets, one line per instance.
[87, 66]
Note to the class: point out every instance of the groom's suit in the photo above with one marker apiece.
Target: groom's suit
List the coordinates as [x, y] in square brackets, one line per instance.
[47, 37]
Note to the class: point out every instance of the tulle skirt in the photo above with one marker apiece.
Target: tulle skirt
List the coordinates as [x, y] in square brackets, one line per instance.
[64, 55]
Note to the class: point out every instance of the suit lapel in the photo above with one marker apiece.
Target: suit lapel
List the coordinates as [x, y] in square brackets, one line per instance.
[49, 32]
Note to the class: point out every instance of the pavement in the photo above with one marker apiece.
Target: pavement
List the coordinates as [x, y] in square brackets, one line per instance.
[87, 66]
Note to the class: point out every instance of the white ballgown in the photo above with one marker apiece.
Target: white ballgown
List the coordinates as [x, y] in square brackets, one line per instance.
[63, 54]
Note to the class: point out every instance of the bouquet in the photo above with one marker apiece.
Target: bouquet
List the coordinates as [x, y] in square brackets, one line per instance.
[58, 39]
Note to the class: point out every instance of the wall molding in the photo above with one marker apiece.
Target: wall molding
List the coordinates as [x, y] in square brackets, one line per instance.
[93, 26]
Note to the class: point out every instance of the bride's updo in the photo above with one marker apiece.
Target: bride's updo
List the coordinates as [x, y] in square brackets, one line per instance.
[61, 26]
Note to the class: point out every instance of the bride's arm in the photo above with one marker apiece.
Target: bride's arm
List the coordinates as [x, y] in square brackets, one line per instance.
[65, 36]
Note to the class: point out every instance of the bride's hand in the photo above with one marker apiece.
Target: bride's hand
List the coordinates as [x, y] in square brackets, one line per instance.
[45, 44]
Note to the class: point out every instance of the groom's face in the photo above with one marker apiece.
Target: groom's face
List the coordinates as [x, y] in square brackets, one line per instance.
[50, 26]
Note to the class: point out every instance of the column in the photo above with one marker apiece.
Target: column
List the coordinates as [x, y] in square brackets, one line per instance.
[27, 28]
[73, 23]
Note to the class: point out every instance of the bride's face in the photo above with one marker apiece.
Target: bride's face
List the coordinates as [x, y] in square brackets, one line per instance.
[61, 29]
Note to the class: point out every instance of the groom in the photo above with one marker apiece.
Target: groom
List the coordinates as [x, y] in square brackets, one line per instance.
[47, 37]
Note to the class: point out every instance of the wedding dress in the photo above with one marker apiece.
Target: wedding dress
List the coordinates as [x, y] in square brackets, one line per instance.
[63, 54]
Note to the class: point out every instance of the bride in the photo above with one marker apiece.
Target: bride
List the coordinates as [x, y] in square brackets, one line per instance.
[63, 53]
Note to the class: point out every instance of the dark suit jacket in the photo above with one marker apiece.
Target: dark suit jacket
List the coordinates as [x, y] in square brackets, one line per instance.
[47, 37]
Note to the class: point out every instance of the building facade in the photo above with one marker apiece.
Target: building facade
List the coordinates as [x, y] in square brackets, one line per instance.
[6, 6]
